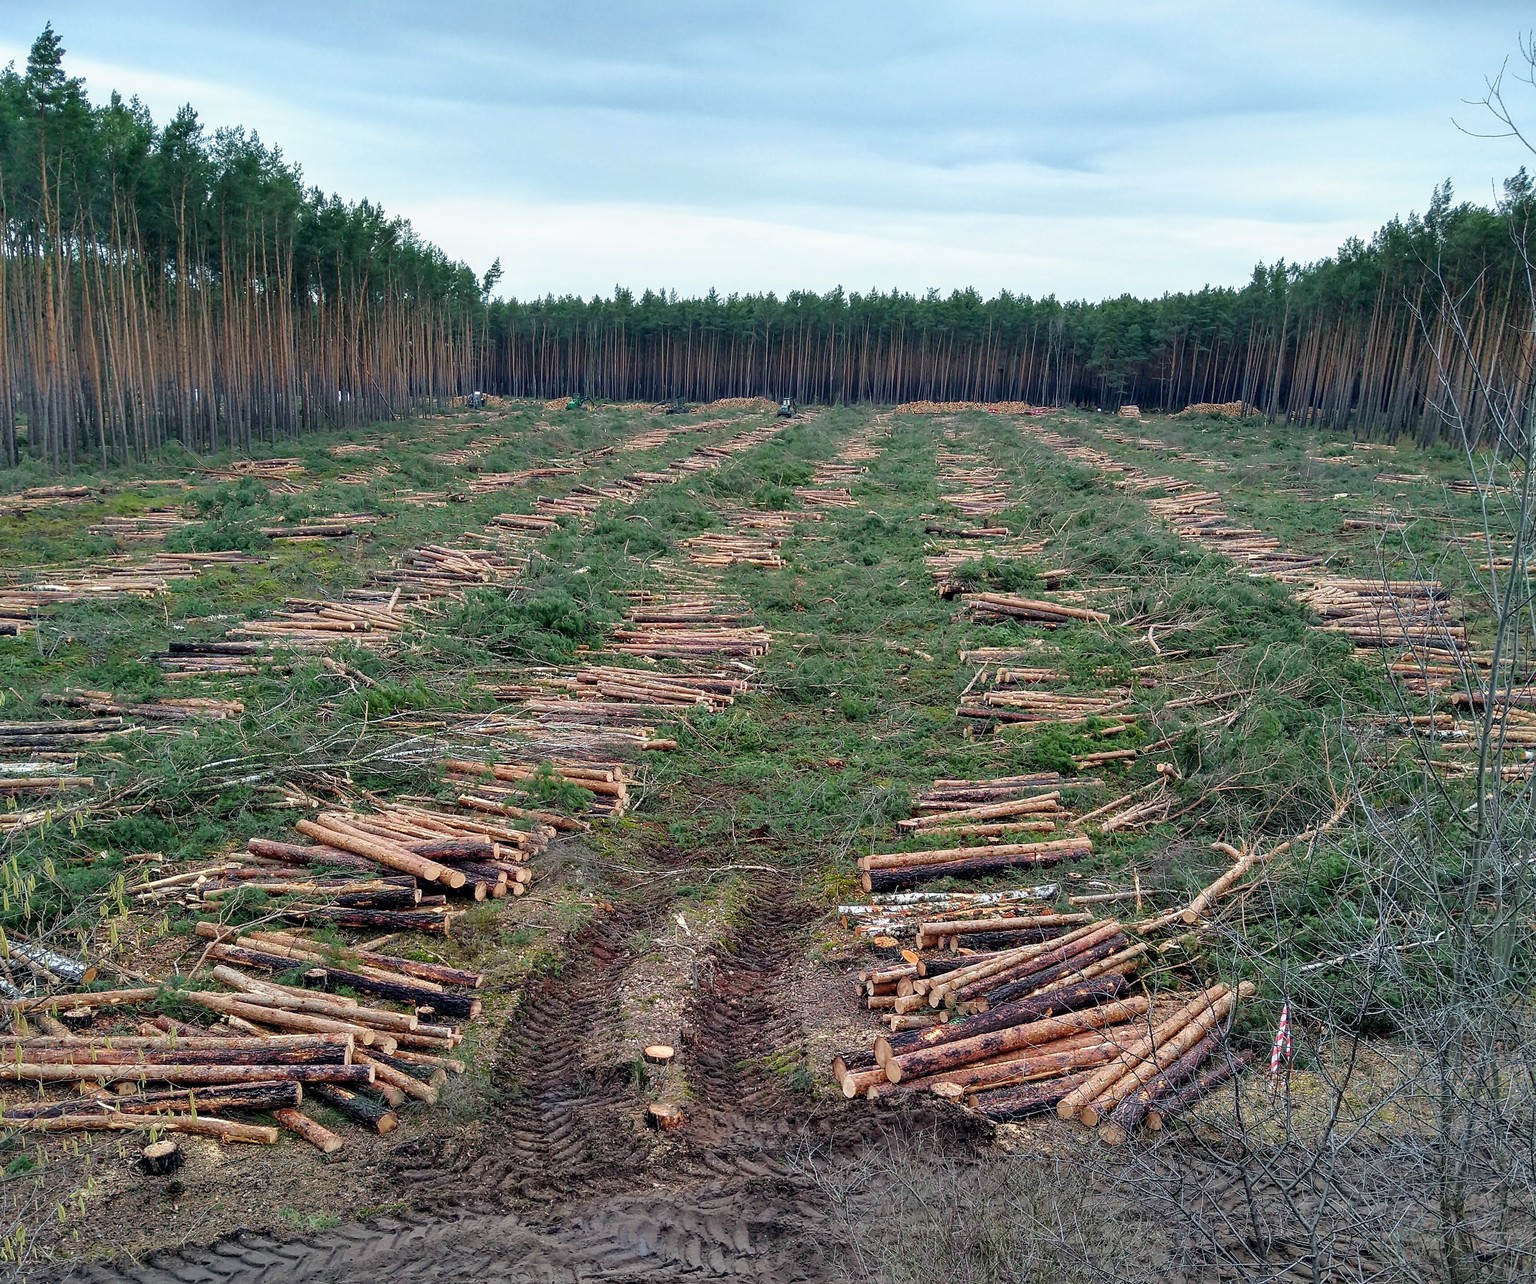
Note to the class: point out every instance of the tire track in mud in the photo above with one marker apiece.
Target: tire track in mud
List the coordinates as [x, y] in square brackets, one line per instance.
[565, 1126]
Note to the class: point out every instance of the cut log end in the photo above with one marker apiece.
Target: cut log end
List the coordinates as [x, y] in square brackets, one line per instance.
[659, 1054]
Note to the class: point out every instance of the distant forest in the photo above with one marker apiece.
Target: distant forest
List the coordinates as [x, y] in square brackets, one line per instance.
[158, 284]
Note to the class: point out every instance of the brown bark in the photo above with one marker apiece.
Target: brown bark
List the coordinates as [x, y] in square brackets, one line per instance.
[960, 1052]
[317, 1135]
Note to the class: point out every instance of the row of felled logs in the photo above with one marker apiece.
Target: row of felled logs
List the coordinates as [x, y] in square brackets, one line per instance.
[439, 851]
[263, 470]
[946, 564]
[608, 783]
[688, 627]
[60, 736]
[1374, 613]
[308, 625]
[885, 871]
[159, 709]
[1081, 1044]
[489, 483]
[147, 527]
[899, 914]
[339, 526]
[274, 1044]
[825, 496]
[1193, 514]
[993, 606]
[717, 549]
[429, 988]
[1007, 702]
[647, 686]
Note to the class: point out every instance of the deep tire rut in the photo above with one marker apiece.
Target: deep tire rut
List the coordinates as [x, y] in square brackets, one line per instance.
[566, 1126]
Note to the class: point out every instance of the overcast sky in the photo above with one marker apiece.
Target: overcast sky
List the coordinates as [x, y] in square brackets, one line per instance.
[1083, 149]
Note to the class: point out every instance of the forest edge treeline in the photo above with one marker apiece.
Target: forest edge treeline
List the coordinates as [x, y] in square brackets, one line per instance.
[158, 284]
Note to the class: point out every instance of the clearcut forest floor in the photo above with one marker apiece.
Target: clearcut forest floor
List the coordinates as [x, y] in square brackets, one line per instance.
[704, 916]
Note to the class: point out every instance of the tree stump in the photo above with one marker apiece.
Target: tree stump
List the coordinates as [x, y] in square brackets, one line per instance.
[663, 1116]
[161, 1158]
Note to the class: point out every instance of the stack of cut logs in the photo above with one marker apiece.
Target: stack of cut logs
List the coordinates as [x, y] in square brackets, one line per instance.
[980, 496]
[1043, 1019]
[149, 527]
[309, 625]
[945, 563]
[274, 1045]
[341, 526]
[1009, 606]
[507, 783]
[885, 871]
[1016, 696]
[159, 709]
[1377, 613]
[392, 868]
[889, 916]
[719, 549]
[688, 627]
[189, 659]
[768, 521]
[57, 740]
[825, 497]
[37, 497]
[40, 589]
[273, 473]
[490, 483]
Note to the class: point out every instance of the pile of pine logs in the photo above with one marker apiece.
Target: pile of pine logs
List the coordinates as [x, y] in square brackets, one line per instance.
[826, 497]
[437, 570]
[61, 739]
[187, 659]
[274, 1046]
[945, 564]
[768, 521]
[397, 866]
[148, 527]
[608, 783]
[1009, 606]
[489, 483]
[988, 808]
[650, 689]
[834, 472]
[1065, 1034]
[893, 915]
[886, 871]
[308, 624]
[1008, 701]
[687, 628]
[160, 709]
[267, 471]
[1375, 613]
[40, 589]
[37, 497]
[716, 549]
[341, 526]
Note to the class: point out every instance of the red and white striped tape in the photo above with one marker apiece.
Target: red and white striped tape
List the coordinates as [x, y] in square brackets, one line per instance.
[1282, 1048]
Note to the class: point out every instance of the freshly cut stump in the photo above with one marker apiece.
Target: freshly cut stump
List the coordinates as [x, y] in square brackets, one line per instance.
[663, 1116]
[659, 1054]
[161, 1158]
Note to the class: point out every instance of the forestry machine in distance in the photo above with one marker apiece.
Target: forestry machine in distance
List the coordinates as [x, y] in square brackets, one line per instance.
[786, 409]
